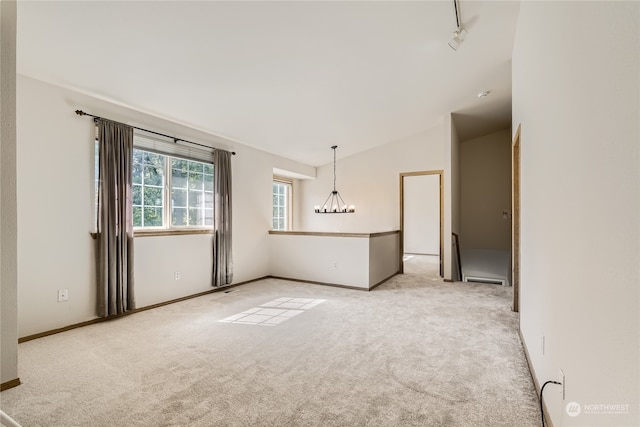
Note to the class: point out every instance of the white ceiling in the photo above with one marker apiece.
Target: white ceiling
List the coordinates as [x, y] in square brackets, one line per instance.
[291, 78]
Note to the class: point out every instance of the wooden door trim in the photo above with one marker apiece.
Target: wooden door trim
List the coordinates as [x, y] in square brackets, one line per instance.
[515, 219]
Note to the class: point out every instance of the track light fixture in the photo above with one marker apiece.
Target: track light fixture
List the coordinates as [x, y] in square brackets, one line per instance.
[334, 203]
[460, 33]
[457, 39]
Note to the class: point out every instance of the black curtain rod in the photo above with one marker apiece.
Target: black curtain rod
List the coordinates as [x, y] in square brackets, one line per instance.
[175, 140]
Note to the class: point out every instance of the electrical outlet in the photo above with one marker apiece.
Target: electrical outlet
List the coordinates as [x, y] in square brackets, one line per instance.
[176, 275]
[561, 380]
[334, 265]
[63, 295]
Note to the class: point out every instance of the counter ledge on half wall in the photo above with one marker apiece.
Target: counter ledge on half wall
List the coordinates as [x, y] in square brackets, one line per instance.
[333, 234]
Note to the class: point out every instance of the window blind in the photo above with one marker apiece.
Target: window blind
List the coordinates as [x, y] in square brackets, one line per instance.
[175, 149]
[157, 144]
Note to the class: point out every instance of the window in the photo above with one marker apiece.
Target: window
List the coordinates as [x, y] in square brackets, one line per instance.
[191, 193]
[282, 189]
[171, 192]
[148, 189]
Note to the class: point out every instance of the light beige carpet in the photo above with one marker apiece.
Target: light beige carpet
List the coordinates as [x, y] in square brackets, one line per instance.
[413, 352]
[424, 265]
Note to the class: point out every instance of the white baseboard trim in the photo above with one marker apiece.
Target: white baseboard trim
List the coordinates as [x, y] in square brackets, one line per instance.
[536, 384]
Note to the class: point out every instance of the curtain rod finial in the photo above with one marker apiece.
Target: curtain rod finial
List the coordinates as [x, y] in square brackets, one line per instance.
[81, 113]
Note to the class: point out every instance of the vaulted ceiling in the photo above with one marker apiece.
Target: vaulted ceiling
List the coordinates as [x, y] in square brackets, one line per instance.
[291, 78]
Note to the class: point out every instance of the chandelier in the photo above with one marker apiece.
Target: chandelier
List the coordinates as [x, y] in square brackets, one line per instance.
[334, 203]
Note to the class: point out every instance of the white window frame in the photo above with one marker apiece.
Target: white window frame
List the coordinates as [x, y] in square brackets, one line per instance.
[203, 190]
[164, 185]
[170, 151]
[288, 183]
[168, 200]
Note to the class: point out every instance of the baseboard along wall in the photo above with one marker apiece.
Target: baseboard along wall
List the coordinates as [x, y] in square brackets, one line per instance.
[137, 310]
[536, 384]
[10, 384]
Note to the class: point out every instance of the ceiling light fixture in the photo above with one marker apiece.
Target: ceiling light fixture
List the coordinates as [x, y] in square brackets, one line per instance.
[334, 203]
[460, 33]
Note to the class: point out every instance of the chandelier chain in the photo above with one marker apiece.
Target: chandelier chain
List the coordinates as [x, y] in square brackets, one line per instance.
[334, 168]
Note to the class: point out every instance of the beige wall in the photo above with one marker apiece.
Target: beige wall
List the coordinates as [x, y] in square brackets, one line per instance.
[8, 209]
[451, 182]
[384, 257]
[356, 261]
[485, 191]
[326, 259]
[576, 95]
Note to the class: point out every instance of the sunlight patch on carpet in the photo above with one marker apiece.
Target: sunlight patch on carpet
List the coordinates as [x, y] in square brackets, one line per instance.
[274, 312]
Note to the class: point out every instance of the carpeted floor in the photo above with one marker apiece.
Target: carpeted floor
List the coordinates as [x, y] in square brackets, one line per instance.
[414, 352]
[424, 265]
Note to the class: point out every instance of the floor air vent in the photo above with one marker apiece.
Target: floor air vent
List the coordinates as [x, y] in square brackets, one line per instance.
[483, 280]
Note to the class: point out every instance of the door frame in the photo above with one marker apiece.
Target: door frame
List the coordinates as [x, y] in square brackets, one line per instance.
[440, 173]
[515, 219]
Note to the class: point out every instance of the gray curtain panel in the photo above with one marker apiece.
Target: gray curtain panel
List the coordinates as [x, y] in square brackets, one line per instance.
[222, 256]
[115, 222]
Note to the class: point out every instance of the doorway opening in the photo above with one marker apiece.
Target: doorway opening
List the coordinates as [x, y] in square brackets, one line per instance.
[421, 223]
